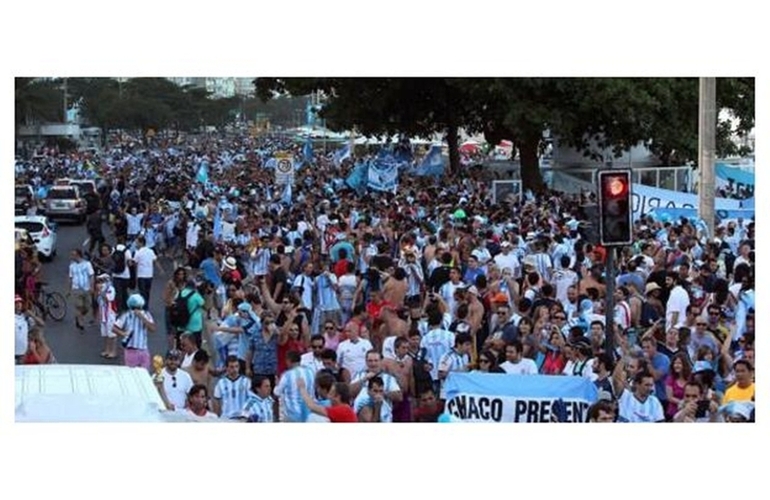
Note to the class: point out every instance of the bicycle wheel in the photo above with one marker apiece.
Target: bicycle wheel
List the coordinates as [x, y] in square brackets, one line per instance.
[37, 309]
[56, 305]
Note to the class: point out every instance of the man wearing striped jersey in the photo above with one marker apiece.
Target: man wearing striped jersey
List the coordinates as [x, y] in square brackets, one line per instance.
[259, 403]
[81, 283]
[456, 360]
[292, 407]
[232, 390]
[437, 342]
[259, 259]
[133, 327]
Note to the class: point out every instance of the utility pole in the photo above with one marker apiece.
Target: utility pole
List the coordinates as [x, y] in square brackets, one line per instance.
[707, 122]
[64, 104]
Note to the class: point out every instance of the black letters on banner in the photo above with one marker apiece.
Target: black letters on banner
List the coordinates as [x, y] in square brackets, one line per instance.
[471, 408]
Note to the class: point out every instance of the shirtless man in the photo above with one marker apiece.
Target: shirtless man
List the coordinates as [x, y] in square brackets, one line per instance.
[201, 370]
[395, 288]
[401, 369]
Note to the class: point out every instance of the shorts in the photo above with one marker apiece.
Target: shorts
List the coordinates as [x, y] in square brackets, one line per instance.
[81, 300]
[136, 358]
[106, 328]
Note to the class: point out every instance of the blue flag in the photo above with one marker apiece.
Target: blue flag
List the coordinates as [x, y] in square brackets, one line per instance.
[432, 164]
[307, 151]
[341, 155]
[356, 178]
[383, 173]
[286, 196]
[202, 175]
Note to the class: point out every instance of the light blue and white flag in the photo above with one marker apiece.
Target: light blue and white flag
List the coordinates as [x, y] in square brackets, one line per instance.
[307, 151]
[432, 164]
[286, 196]
[202, 175]
[357, 178]
[341, 155]
[383, 173]
[493, 397]
[734, 175]
[647, 198]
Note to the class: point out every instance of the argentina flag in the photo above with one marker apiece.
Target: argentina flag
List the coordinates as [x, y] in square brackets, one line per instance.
[307, 151]
[341, 155]
[432, 164]
[383, 174]
[357, 177]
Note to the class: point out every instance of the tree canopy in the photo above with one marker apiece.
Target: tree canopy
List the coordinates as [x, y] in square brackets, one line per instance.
[614, 113]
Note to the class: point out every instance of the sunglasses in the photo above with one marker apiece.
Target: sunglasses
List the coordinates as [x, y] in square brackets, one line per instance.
[329, 328]
[317, 347]
[563, 318]
[701, 324]
[483, 361]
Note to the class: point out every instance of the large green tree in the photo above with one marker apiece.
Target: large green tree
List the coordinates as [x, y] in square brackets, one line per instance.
[589, 114]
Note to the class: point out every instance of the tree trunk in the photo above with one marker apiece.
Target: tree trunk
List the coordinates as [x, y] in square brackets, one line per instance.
[530, 163]
[454, 143]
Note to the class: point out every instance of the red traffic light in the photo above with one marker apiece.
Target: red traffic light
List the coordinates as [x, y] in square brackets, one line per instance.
[614, 186]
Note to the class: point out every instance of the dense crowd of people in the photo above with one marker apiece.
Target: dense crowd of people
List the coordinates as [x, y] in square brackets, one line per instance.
[343, 306]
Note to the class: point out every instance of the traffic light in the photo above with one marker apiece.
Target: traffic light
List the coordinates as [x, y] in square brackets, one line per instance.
[615, 207]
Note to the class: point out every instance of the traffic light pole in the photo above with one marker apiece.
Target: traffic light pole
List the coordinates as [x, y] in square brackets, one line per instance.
[609, 303]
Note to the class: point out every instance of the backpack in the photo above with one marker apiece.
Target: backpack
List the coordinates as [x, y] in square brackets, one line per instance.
[422, 379]
[119, 261]
[179, 315]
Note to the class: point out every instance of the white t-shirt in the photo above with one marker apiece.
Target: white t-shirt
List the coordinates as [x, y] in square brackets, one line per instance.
[22, 330]
[631, 409]
[191, 236]
[389, 347]
[508, 261]
[308, 359]
[145, 258]
[352, 356]
[524, 367]
[678, 301]
[134, 223]
[177, 396]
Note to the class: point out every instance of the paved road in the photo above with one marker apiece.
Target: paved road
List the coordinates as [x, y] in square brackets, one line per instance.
[66, 342]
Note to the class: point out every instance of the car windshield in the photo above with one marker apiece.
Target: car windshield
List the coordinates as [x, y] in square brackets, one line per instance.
[85, 187]
[31, 227]
[62, 194]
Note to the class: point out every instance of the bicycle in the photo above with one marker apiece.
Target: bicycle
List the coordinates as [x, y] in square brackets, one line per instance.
[49, 304]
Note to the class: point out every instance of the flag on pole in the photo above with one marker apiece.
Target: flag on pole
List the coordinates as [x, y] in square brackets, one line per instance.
[341, 155]
[307, 151]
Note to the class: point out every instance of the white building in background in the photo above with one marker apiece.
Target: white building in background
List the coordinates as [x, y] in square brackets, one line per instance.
[219, 88]
[244, 86]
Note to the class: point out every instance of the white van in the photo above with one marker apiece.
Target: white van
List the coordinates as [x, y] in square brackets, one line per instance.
[88, 393]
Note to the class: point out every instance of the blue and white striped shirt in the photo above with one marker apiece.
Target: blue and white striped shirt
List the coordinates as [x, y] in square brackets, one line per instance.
[80, 274]
[258, 409]
[437, 342]
[327, 297]
[260, 262]
[288, 392]
[232, 395]
[133, 325]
